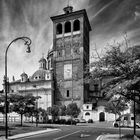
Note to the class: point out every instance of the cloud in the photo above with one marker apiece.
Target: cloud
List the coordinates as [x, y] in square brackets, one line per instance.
[28, 18]
[109, 20]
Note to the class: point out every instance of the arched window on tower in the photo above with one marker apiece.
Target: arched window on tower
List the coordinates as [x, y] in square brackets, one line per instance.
[59, 28]
[67, 27]
[76, 25]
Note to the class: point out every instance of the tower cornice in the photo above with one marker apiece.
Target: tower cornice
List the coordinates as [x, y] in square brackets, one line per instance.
[60, 18]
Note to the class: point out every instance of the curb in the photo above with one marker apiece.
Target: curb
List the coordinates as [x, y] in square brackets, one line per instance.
[99, 137]
[136, 138]
[24, 135]
[108, 136]
[116, 136]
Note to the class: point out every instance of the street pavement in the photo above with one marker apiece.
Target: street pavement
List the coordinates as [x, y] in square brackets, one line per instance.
[95, 131]
[24, 135]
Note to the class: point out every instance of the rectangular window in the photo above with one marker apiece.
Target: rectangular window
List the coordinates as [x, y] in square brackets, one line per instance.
[59, 53]
[96, 88]
[68, 93]
[67, 71]
[132, 118]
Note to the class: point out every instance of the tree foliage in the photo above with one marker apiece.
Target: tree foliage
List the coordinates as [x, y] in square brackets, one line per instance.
[54, 111]
[73, 110]
[123, 66]
[43, 113]
[116, 106]
[62, 111]
[23, 104]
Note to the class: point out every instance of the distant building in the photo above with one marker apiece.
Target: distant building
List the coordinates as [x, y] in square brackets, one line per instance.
[39, 84]
[95, 107]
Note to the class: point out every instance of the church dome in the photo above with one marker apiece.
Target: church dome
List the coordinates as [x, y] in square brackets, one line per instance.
[42, 63]
[24, 77]
[23, 74]
[41, 74]
[42, 59]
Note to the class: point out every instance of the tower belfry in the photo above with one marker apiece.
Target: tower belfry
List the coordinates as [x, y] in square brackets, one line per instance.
[71, 55]
[68, 9]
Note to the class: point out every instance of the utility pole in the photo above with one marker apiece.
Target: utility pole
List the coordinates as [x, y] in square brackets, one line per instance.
[134, 112]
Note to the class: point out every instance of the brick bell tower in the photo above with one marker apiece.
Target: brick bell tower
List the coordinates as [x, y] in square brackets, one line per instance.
[70, 56]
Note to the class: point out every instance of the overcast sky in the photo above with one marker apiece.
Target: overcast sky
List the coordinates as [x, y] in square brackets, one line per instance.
[109, 19]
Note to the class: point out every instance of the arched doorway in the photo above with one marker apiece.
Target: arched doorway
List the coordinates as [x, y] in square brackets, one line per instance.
[102, 117]
[87, 116]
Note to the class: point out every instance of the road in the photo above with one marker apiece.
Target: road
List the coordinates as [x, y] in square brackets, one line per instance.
[85, 131]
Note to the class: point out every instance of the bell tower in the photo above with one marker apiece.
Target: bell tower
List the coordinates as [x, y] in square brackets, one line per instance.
[70, 56]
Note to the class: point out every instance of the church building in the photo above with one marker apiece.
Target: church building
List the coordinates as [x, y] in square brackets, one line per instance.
[39, 84]
[60, 77]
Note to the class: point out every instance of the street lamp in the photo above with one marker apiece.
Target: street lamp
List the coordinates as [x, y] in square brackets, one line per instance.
[27, 43]
[35, 86]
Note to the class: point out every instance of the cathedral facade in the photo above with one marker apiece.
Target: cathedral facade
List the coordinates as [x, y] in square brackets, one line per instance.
[40, 84]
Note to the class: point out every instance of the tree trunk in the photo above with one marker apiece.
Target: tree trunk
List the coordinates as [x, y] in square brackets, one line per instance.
[71, 119]
[21, 118]
[32, 119]
[115, 116]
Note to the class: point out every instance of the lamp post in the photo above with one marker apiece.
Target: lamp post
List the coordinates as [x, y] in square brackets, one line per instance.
[27, 43]
[35, 86]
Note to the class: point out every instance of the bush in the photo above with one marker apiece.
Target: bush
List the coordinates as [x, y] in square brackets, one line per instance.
[57, 121]
[62, 121]
[49, 121]
[70, 121]
[90, 121]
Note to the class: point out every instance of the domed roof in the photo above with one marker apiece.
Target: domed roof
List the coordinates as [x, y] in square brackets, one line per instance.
[42, 59]
[50, 50]
[23, 74]
[40, 74]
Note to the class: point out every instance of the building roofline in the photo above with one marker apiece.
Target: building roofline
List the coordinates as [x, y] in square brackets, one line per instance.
[36, 81]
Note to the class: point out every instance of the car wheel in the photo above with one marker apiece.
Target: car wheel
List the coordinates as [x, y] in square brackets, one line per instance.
[137, 126]
[116, 125]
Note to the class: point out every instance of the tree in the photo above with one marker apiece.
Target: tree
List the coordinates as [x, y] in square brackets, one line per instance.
[62, 110]
[137, 109]
[73, 110]
[54, 111]
[116, 106]
[22, 104]
[43, 114]
[122, 64]
[2, 104]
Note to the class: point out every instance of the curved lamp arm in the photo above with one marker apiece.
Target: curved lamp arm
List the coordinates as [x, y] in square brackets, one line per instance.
[27, 42]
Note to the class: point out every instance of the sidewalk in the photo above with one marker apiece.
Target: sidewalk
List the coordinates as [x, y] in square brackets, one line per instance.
[115, 137]
[29, 134]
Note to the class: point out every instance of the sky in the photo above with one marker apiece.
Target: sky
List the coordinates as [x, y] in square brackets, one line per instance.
[111, 20]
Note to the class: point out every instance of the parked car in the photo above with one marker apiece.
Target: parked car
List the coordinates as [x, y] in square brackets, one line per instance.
[79, 120]
[82, 121]
[126, 120]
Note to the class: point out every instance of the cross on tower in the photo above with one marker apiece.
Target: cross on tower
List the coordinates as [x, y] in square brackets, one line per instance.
[68, 3]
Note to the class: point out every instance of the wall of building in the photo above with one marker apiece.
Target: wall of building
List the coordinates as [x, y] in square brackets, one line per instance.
[43, 89]
[97, 114]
